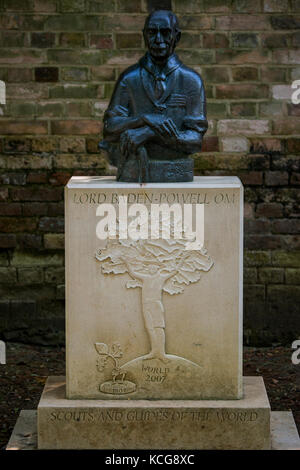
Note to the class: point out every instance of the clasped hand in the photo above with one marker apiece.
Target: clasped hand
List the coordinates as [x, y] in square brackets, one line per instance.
[156, 125]
[162, 126]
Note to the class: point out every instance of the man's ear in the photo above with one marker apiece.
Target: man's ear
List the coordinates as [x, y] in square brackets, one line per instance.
[178, 36]
[145, 37]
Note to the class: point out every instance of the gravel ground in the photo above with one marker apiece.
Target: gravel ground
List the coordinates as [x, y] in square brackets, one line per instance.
[23, 377]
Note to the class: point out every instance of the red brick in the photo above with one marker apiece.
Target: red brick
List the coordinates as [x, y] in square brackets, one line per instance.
[276, 178]
[252, 178]
[92, 145]
[52, 224]
[101, 41]
[269, 209]
[215, 41]
[22, 56]
[134, 40]
[245, 74]
[56, 208]
[266, 145]
[14, 39]
[293, 145]
[36, 194]
[295, 178]
[72, 144]
[29, 241]
[257, 226]
[215, 75]
[293, 110]
[286, 226]
[246, 109]
[76, 127]
[286, 56]
[23, 127]
[286, 126]
[210, 144]
[242, 91]
[10, 208]
[256, 56]
[194, 22]
[275, 40]
[46, 74]
[43, 144]
[42, 39]
[37, 178]
[252, 6]
[273, 74]
[44, 6]
[215, 6]
[17, 224]
[19, 75]
[59, 178]
[248, 210]
[3, 194]
[72, 39]
[35, 208]
[242, 22]
[8, 240]
[17, 145]
[264, 242]
[285, 22]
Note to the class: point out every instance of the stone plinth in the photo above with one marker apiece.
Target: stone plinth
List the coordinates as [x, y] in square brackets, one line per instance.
[159, 424]
[151, 319]
[284, 434]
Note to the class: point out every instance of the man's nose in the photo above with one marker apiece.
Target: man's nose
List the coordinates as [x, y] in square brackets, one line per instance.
[158, 37]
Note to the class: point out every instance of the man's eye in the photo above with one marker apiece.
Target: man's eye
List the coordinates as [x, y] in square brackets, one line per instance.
[165, 32]
[151, 31]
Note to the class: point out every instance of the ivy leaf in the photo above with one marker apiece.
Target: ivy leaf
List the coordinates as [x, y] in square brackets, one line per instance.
[116, 350]
[101, 348]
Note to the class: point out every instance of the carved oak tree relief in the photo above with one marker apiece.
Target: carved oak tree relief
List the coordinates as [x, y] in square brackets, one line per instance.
[155, 266]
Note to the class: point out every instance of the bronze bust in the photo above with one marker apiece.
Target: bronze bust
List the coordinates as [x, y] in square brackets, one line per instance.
[157, 115]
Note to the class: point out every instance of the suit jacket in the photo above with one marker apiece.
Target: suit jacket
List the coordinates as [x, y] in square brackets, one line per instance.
[183, 100]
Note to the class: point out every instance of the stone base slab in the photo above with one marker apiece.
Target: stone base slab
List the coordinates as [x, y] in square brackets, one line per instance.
[159, 424]
[284, 434]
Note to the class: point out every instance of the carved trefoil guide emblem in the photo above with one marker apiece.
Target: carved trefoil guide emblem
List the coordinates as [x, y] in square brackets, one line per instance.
[118, 385]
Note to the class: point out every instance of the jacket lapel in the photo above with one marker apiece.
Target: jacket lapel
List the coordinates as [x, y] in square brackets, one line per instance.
[149, 90]
[170, 82]
[147, 67]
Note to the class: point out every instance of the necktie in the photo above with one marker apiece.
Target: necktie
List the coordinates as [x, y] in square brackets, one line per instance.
[160, 85]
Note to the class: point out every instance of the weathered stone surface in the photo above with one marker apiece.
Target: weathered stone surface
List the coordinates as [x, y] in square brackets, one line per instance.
[24, 436]
[284, 431]
[103, 313]
[140, 424]
[284, 434]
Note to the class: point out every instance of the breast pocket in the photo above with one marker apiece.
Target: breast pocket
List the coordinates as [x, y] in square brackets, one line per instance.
[177, 101]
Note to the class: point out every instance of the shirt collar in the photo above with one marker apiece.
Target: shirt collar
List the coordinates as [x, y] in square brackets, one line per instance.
[172, 64]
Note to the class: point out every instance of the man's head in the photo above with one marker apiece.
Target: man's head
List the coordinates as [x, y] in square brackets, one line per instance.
[161, 34]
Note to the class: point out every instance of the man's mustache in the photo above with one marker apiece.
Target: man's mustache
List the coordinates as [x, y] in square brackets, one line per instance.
[161, 46]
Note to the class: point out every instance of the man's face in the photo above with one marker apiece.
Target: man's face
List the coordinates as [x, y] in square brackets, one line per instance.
[160, 36]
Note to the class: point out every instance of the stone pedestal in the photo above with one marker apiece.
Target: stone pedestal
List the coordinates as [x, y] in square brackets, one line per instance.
[154, 324]
[121, 304]
[154, 424]
[284, 434]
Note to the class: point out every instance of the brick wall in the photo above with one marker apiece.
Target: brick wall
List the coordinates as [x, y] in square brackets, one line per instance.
[60, 60]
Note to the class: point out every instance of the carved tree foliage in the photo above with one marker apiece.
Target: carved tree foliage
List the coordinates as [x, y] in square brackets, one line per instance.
[166, 254]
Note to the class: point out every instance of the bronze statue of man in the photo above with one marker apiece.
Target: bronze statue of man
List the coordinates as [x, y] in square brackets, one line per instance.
[157, 114]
